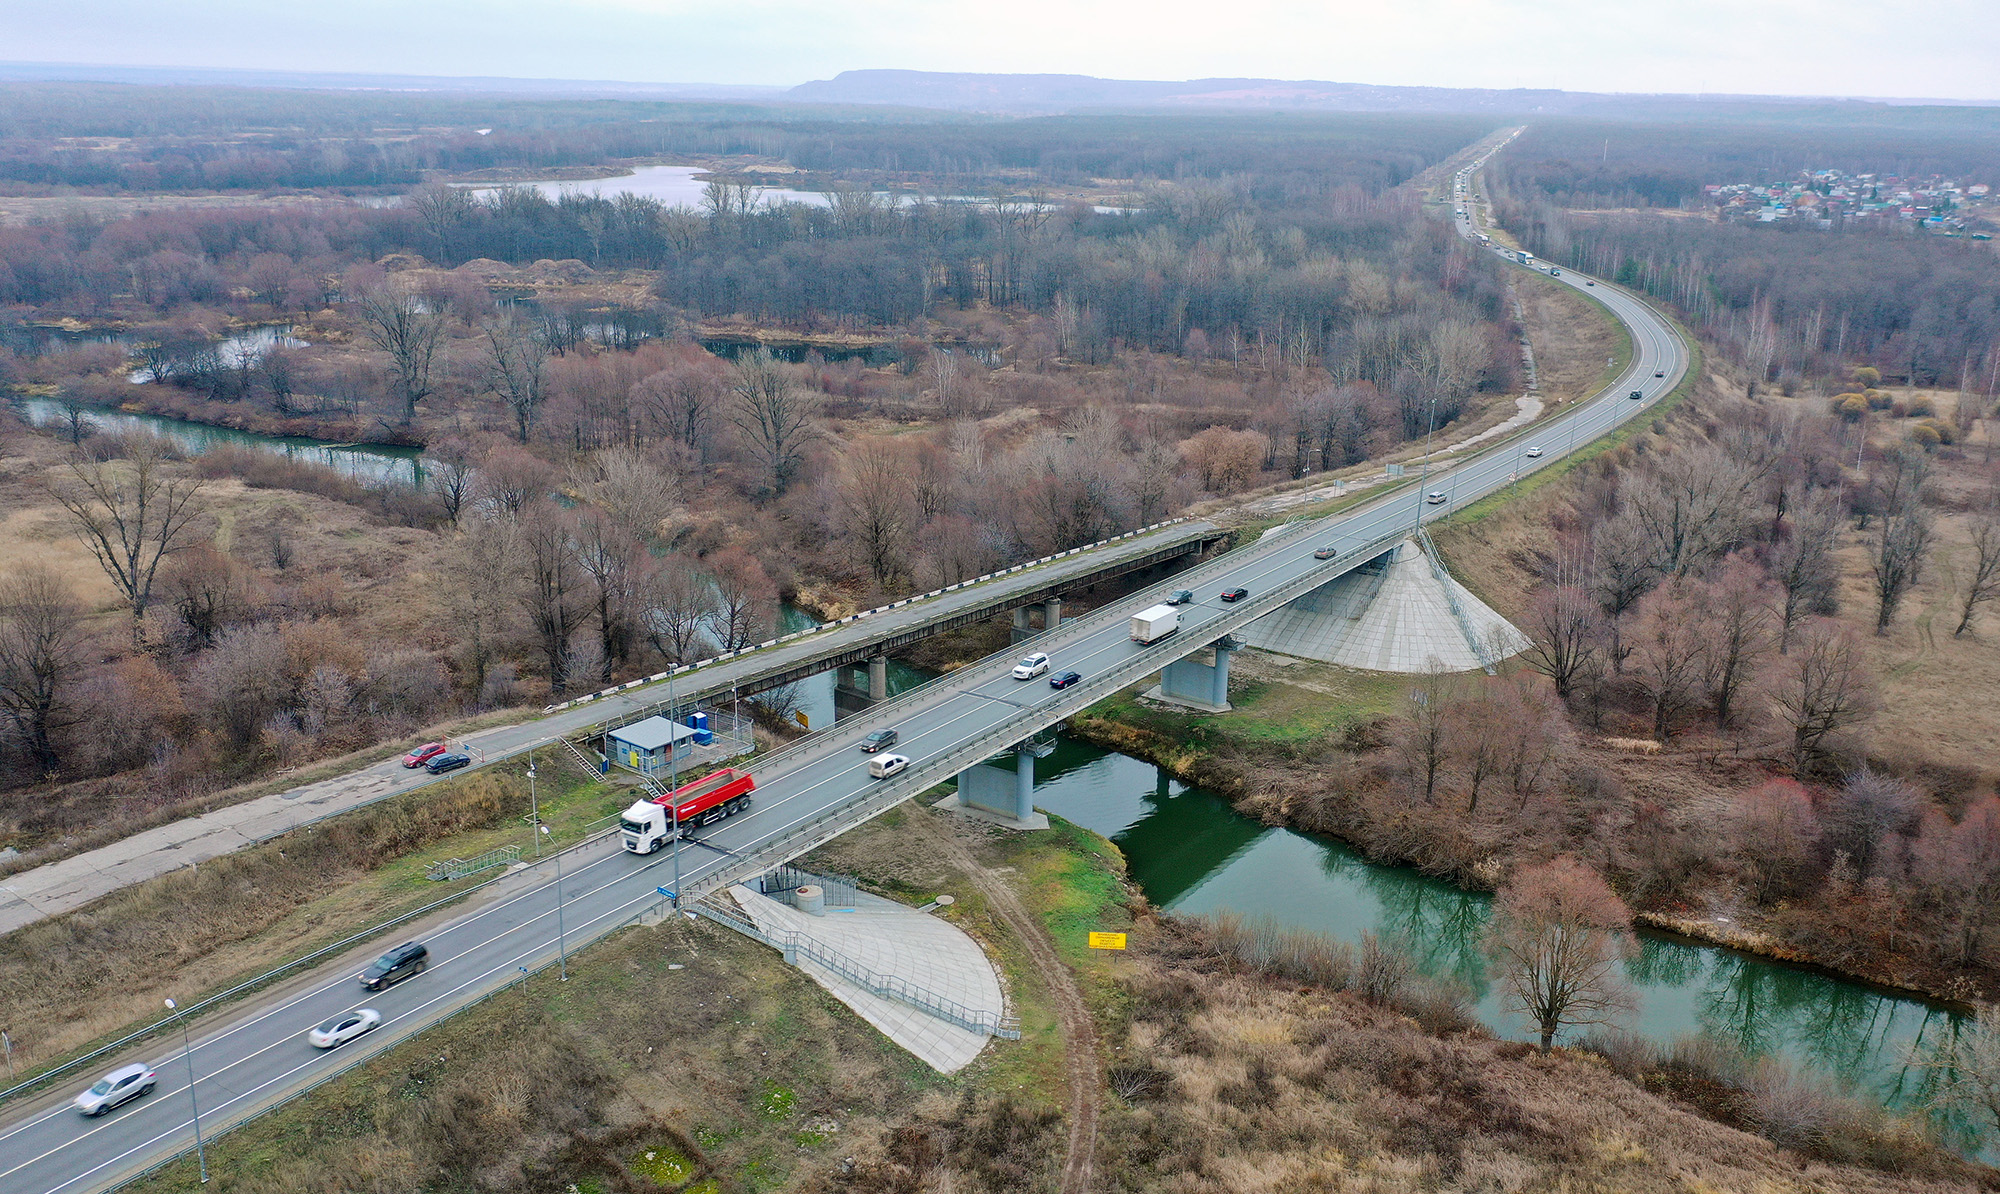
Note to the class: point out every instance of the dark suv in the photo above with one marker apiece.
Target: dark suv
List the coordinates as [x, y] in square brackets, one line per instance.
[393, 967]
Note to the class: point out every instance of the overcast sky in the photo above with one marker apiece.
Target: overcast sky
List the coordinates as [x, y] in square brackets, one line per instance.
[1940, 48]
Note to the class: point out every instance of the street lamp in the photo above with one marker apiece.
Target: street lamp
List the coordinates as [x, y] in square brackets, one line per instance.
[534, 807]
[187, 1054]
[562, 944]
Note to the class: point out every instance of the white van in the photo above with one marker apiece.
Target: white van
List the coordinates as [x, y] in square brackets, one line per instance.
[884, 766]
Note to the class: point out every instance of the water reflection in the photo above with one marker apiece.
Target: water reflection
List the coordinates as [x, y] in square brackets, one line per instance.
[1192, 853]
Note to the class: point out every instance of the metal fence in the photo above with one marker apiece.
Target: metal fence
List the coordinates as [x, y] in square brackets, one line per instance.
[840, 891]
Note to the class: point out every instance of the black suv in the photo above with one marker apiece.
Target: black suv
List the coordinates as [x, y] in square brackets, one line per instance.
[393, 967]
[879, 740]
[444, 763]
[1180, 597]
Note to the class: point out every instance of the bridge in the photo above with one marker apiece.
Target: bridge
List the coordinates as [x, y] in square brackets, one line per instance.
[808, 793]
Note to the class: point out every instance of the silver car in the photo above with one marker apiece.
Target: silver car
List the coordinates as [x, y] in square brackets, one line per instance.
[345, 1027]
[1032, 666]
[119, 1086]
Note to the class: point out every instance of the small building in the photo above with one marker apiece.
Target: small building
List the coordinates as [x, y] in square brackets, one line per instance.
[652, 745]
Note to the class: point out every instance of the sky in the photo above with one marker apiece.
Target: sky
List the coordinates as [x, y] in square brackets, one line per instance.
[1943, 48]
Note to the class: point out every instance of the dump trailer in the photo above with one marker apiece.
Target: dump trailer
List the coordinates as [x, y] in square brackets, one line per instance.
[649, 824]
[1154, 623]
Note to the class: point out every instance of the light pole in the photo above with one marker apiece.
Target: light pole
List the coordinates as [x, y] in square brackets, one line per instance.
[8, 1043]
[562, 936]
[187, 1055]
[534, 807]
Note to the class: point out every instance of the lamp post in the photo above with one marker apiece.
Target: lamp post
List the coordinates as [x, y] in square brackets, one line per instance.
[562, 942]
[534, 807]
[187, 1055]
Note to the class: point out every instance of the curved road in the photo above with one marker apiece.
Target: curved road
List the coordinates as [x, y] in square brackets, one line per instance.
[256, 1054]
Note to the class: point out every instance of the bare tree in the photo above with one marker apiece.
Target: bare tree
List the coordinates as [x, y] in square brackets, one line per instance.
[1624, 566]
[1737, 610]
[1563, 631]
[775, 414]
[876, 503]
[1558, 936]
[206, 590]
[638, 493]
[608, 555]
[746, 600]
[1669, 647]
[42, 656]
[679, 602]
[552, 590]
[1694, 505]
[514, 365]
[680, 403]
[480, 564]
[1822, 691]
[1803, 565]
[410, 330]
[1903, 534]
[1967, 1064]
[1984, 583]
[1424, 737]
[448, 473]
[131, 514]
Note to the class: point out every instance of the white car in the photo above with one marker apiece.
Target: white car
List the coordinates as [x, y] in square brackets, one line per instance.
[1034, 665]
[1434, 498]
[345, 1027]
[1534, 452]
[884, 766]
[119, 1086]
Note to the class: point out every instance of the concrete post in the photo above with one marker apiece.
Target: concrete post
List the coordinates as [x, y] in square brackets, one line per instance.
[1021, 627]
[878, 678]
[1052, 613]
[1219, 694]
[1024, 783]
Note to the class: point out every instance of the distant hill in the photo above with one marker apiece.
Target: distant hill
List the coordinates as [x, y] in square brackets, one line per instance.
[1036, 94]
[193, 76]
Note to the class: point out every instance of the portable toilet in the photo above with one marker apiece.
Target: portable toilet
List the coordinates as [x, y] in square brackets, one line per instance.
[703, 736]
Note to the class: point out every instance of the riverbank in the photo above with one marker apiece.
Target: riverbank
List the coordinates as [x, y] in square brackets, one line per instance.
[1264, 781]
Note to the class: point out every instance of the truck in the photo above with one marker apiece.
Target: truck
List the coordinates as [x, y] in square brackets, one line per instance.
[1525, 257]
[649, 824]
[1154, 623]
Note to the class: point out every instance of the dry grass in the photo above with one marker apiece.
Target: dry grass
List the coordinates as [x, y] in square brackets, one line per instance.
[1572, 337]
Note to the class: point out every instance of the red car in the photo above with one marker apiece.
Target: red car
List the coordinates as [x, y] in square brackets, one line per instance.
[423, 754]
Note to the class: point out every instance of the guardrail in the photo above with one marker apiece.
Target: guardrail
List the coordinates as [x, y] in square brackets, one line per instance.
[1451, 600]
[795, 945]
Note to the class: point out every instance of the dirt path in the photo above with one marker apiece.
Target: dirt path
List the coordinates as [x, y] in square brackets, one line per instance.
[1078, 1031]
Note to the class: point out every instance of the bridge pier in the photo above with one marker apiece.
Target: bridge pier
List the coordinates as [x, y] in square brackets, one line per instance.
[1196, 684]
[1022, 629]
[1003, 795]
[878, 678]
[1052, 613]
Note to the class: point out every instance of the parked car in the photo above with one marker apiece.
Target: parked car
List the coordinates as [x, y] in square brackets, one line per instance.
[1434, 498]
[1064, 679]
[121, 1085]
[444, 763]
[879, 740]
[398, 964]
[1326, 553]
[344, 1028]
[1234, 594]
[424, 754]
[1032, 666]
[1180, 597]
[1533, 451]
[884, 766]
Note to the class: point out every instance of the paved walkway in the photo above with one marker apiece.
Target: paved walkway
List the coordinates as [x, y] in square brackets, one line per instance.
[73, 882]
[891, 939]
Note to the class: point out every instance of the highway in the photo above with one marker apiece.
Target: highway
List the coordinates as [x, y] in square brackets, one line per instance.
[254, 1056]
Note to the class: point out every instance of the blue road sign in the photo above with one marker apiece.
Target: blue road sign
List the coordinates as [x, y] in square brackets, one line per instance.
[665, 892]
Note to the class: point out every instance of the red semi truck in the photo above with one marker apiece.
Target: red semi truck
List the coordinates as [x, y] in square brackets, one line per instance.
[649, 824]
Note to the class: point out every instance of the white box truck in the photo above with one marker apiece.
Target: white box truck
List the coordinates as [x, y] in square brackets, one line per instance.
[1154, 623]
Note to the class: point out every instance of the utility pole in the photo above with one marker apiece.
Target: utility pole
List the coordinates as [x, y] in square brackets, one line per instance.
[187, 1055]
[8, 1042]
[562, 934]
[534, 807]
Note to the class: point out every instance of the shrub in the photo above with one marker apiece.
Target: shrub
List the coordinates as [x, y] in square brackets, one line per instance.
[1850, 406]
[1921, 407]
[1877, 400]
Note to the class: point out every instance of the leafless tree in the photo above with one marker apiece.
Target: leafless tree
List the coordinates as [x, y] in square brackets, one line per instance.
[449, 474]
[1803, 565]
[480, 566]
[746, 600]
[1967, 1063]
[680, 403]
[206, 591]
[442, 209]
[876, 504]
[552, 594]
[679, 602]
[1624, 567]
[1558, 936]
[1563, 634]
[642, 496]
[511, 479]
[514, 363]
[407, 328]
[131, 514]
[1736, 611]
[42, 657]
[775, 414]
[1983, 585]
[1670, 644]
[1694, 505]
[608, 555]
[1424, 737]
[1822, 691]
[1903, 534]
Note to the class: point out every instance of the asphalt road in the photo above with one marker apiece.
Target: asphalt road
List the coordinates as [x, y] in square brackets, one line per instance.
[261, 1055]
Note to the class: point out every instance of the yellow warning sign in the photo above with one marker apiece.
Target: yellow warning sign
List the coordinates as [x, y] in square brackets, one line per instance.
[1107, 941]
[801, 715]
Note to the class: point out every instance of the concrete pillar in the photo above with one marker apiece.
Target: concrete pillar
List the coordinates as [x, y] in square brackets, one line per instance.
[1024, 783]
[1022, 628]
[1219, 679]
[878, 678]
[1052, 613]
